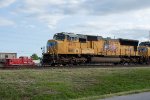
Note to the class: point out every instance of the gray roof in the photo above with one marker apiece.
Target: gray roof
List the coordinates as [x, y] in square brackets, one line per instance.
[69, 34]
[7, 53]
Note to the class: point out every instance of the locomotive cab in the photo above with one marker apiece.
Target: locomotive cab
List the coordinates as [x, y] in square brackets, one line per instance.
[61, 43]
[59, 37]
[144, 49]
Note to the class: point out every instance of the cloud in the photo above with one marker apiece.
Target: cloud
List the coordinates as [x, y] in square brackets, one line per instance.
[50, 20]
[103, 7]
[51, 12]
[90, 7]
[112, 27]
[6, 22]
[136, 34]
[132, 25]
[5, 3]
[44, 11]
[117, 30]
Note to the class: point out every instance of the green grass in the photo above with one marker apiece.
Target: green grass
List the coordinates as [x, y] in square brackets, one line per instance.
[77, 83]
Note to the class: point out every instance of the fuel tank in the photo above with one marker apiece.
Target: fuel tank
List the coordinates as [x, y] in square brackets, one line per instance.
[105, 60]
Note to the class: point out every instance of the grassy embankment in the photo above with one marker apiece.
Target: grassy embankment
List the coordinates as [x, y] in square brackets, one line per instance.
[64, 84]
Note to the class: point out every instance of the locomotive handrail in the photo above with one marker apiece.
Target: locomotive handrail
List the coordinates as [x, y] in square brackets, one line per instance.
[52, 52]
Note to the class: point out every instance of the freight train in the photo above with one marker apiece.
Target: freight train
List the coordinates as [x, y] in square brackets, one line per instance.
[75, 49]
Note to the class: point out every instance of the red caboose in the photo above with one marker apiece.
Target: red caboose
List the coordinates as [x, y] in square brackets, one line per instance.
[21, 61]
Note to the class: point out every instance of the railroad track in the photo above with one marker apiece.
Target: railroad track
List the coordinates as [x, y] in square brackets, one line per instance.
[72, 67]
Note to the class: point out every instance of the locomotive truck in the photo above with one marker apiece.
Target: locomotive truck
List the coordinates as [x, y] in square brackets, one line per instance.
[73, 49]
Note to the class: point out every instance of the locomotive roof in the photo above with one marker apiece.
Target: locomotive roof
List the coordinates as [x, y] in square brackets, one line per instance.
[69, 34]
[129, 42]
[94, 37]
[146, 43]
[80, 35]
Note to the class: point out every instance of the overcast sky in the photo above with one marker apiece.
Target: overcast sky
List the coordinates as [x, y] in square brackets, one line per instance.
[26, 25]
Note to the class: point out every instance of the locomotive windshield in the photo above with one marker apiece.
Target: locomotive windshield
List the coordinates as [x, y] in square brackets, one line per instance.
[59, 37]
[51, 44]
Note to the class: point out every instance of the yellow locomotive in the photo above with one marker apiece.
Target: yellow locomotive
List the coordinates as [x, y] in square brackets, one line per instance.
[144, 51]
[69, 48]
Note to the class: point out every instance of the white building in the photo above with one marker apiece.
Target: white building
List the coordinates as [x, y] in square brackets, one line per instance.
[4, 56]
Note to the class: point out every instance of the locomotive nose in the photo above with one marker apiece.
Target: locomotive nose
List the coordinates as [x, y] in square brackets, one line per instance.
[51, 43]
[51, 46]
